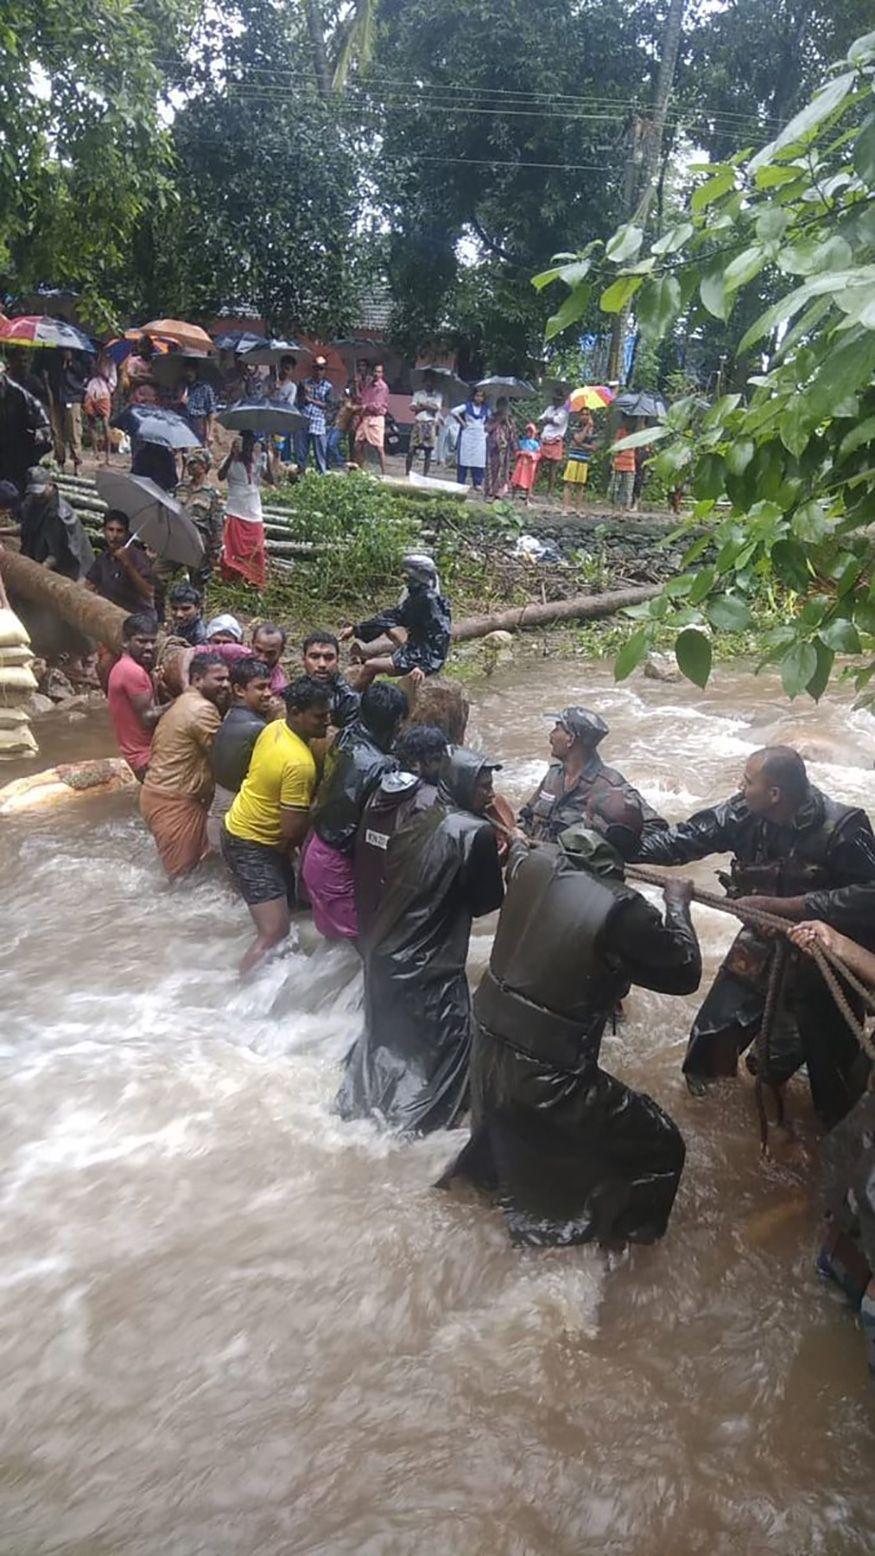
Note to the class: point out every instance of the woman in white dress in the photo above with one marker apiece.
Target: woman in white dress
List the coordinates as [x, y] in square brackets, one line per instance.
[243, 551]
[471, 452]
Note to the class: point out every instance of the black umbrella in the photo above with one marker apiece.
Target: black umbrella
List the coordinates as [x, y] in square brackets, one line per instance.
[505, 388]
[169, 369]
[262, 416]
[641, 402]
[370, 351]
[447, 382]
[153, 424]
[156, 518]
[271, 351]
[239, 340]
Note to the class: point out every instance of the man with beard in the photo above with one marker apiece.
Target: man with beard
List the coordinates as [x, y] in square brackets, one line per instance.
[321, 655]
[800, 854]
[574, 1155]
[409, 1068]
[576, 773]
[178, 786]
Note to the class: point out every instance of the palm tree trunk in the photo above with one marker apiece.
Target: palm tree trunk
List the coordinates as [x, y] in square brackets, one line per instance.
[316, 29]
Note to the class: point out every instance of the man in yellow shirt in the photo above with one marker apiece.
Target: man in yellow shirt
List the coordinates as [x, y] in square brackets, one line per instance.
[271, 814]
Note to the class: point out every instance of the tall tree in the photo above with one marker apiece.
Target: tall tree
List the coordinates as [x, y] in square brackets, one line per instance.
[82, 149]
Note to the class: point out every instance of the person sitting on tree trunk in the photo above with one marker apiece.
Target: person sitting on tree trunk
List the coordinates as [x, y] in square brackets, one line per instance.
[422, 614]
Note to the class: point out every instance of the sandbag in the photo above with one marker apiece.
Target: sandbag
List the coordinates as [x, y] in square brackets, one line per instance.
[12, 632]
[12, 718]
[19, 655]
[16, 680]
[16, 742]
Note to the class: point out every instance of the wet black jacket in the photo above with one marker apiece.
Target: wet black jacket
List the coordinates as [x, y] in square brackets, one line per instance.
[826, 854]
[354, 765]
[572, 1153]
[233, 746]
[551, 808]
[426, 617]
[410, 1066]
[24, 431]
[345, 703]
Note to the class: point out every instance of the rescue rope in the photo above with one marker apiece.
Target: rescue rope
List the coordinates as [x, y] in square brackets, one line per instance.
[827, 962]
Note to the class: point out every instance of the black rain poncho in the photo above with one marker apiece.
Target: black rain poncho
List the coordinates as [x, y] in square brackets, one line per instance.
[396, 800]
[426, 617]
[409, 1068]
[572, 1154]
[354, 764]
[827, 855]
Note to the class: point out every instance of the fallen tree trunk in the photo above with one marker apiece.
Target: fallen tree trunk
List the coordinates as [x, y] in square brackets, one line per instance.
[72, 602]
[581, 607]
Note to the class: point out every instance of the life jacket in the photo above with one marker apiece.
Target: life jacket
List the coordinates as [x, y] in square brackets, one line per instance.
[551, 984]
[552, 807]
[399, 796]
[790, 861]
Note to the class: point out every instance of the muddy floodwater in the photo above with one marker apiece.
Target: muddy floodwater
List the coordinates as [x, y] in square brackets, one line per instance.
[232, 1326]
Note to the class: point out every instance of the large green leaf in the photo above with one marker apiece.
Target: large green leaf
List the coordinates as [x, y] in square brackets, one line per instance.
[729, 613]
[625, 244]
[693, 653]
[712, 290]
[674, 239]
[820, 679]
[803, 124]
[713, 190]
[863, 432]
[798, 666]
[864, 153]
[771, 223]
[644, 437]
[744, 267]
[632, 653]
[573, 308]
[739, 455]
[619, 293]
[810, 522]
[790, 564]
[841, 636]
[772, 176]
[657, 305]
[703, 585]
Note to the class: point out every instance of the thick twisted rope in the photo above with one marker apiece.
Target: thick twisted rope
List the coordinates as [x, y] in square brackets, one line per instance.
[828, 963]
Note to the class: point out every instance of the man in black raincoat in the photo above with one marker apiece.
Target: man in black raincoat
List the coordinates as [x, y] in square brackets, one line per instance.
[24, 429]
[354, 765]
[399, 796]
[410, 1065]
[572, 1154]
[576, 773]
[50, 531]
[424, 615]
[798, 853]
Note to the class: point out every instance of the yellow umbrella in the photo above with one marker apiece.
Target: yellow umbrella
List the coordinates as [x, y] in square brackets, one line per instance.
[591, 397]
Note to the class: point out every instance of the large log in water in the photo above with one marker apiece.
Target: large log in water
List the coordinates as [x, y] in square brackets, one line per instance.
[76, 605]
[581, 607]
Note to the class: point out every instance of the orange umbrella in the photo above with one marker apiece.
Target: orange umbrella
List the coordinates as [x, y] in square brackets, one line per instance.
[189, 336]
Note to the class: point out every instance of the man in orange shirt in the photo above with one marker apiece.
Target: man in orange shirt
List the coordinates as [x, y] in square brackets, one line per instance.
[622, 483]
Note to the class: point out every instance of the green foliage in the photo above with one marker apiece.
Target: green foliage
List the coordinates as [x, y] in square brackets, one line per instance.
[793, 459]
[82, 150]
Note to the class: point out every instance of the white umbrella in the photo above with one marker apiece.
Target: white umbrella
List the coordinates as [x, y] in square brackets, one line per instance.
[505, 388]
[156, 518]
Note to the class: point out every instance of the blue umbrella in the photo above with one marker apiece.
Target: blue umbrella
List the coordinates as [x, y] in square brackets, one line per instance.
[153, 424]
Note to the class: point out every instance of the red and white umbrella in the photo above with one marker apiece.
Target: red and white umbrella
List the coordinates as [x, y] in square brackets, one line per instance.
[40, 329]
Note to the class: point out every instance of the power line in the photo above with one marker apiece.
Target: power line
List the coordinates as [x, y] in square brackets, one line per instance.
[434, 92]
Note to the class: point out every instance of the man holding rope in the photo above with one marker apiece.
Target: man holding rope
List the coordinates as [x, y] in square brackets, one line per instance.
[797, 854]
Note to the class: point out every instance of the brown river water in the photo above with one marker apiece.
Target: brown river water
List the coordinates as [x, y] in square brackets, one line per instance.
[231, 1325]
